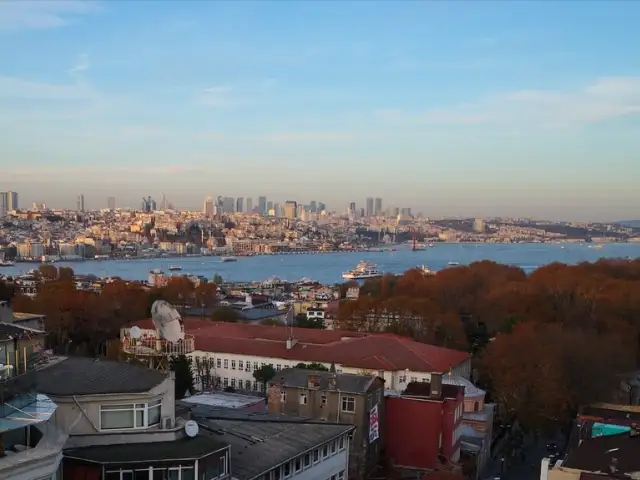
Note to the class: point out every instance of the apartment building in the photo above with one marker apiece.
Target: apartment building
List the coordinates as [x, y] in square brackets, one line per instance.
[354, 399]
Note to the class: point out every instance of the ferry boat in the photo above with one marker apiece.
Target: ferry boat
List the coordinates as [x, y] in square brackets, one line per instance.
[363, 271]
[425, 270]
[228, 259]
[4, 263]
[453, 264]
[175, 268]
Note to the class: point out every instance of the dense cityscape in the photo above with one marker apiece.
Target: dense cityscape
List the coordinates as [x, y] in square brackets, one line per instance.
[234, 226]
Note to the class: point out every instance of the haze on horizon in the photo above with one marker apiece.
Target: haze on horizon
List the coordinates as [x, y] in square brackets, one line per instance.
[475, 108]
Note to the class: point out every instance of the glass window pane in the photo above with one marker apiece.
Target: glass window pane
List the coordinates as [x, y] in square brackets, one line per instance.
[112, 475]
[141, 474]
[117, 407]
[154, 415]
[159, 474]
[188, 473]
[139, 418]
[116, 419]
[174, 474]
[127, 475]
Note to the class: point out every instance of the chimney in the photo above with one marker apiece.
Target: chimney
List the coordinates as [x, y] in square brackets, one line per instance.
[333, 381]
[435, 392]
[312, 381]
[291, 342]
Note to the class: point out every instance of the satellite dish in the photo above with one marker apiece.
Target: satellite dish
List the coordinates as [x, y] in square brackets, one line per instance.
[135, 332]
[191, 428]
[167, 321]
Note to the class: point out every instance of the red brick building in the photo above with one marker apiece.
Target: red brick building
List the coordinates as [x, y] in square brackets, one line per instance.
[423, 425]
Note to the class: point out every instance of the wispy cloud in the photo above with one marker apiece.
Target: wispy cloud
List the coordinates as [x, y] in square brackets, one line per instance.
[602, 99]
[38, 172]
[43, 14]
[18, 88]
[81, 64]
[304, 137]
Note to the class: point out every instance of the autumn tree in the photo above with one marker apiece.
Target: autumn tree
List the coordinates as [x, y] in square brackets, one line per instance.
[206, 295]
[47, 272]
[65, 273]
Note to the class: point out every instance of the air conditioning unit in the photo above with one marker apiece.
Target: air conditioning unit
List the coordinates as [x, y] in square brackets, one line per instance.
[167, 423]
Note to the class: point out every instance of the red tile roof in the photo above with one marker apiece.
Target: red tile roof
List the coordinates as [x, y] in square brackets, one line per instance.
[352, 349]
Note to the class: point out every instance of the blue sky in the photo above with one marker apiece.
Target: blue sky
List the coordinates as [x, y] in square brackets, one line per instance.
[452, 108]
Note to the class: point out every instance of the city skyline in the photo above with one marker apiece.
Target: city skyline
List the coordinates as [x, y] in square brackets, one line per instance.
[497, 109]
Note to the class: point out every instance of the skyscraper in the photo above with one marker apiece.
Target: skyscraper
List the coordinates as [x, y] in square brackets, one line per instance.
[312, 206]
[369, 207]
[239, 204]
[249, 204]
[80, 203]
[321, 207]
[8, 201]
[352, 207]
[377, 209]
[290, 209]
[262, 205]
[229, 204]
[4, 201]
[208, 208]
[111, 203]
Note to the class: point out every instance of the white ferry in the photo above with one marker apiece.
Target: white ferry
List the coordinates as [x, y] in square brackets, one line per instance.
[6, 263]
[363, 271]
[453, 264]
[175, 268]
[228, 259]
[426, 270]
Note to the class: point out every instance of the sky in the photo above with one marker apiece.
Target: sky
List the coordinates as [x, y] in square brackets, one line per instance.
[474, 108]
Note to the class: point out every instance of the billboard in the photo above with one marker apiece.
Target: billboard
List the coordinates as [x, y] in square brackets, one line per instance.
[374, 431]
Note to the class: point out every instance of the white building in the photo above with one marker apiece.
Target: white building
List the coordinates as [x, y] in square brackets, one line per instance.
[234, 351]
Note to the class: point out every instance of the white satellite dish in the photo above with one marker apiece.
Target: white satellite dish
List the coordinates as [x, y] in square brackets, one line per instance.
[191, 428]
[135, 332]
[167, 321]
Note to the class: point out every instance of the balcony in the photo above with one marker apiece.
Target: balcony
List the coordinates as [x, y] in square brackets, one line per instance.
[151, 346]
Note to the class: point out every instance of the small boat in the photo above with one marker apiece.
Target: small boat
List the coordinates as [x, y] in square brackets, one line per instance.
[453, 264]
[228, 259]
[6, 264]
[175, 268]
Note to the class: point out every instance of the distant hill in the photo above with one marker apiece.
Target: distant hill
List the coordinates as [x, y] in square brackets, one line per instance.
[629, 223]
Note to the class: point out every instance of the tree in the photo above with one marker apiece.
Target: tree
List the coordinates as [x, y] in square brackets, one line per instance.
[312, 366]
[303, 322]
[181, 366]
[206, 295]
[264, 374]
[217, 279]
[47, 272]
[65, 273]
[271, 322]
[7, 291]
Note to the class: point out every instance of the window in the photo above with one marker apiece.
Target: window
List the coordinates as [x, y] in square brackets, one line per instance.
[275, 473]
[476, 406]
[218, 363]
[278, 367]
[297, 464]
[283, 397]
[341, 443]
[348, 404]
[307, 459]
[323, 401]
[247, 384]
[255, 385]
[262, 365]
[226, 363]
[341, 475]
[334, 477]
[233, 364]
[325, 451]
[303, 399]
[225, 381]
[223, 466]
[255, 366]
[233, 383]
[126, 416]
[316, 455]
[287, 470]
[334, 446]
[247, 367]
[414, 379]
[240, 366]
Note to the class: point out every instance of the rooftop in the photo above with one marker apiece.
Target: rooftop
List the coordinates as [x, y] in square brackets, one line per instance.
[10, 332]
[607, 454]
[185, 448]
[369, 351]
[470, 390]
[423, 389]
[260, 442]
[347, 383]
[86, 376]
[223, 400]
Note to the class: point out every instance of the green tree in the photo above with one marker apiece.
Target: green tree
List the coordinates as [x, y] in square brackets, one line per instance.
[181, 366]
[312, 366]
[217, 280]
[264, 374]
[303, 322]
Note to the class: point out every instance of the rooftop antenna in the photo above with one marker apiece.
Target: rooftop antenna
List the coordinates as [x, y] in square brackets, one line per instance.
[169, 340]
[191, 428]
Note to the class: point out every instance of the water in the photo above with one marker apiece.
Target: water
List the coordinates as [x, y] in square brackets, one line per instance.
[328, 267]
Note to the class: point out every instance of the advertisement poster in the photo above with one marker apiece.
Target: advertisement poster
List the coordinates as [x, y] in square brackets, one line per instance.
[374, 433]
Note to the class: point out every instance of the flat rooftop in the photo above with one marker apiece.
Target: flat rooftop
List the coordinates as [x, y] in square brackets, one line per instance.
[223, 400]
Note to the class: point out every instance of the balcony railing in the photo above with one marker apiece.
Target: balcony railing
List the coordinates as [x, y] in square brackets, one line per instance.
[153, 346]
